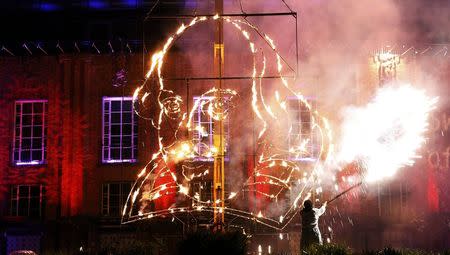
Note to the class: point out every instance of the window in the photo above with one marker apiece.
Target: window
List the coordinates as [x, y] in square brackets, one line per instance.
[203, 136]
[301, 130]
[26, 200]
[119, 130]
[114, 197]
[392, 200]
[30, 132]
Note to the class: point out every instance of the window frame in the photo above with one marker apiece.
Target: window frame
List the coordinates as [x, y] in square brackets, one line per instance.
[43, 149]
[313, 144]
[122, 198]
[106, 159]
[15, 189]
[197, 119]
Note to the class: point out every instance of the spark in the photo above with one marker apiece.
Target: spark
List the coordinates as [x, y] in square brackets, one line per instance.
[181, 29]
[142, 172]
[184, 190]
[260, 215]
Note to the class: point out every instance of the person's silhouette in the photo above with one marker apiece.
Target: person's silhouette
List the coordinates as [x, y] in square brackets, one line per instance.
[310, 224]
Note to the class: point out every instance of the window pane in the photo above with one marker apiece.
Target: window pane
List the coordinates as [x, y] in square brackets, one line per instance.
[36, 155]
[23, 207]
[126, 141]
[115, 118]
[115, 141]
[26, 120]
[106, 106]
[126, 153]
[126, 117]
[116, 106]
[127, 105]
[14, 192]
[26, 143]
[26, 132]
[114, 189]
[115, 154]
[25, 156]
[35, 206]
[115, 129]
[37, 143]
[35, 191]
[37, 131]
[37, 119]
[37, 108]
[24, 191]
[126, 129]
[26, 108]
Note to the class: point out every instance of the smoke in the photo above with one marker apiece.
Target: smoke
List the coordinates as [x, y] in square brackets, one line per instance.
[336, 40]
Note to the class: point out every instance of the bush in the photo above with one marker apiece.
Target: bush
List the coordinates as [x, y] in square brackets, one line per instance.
[327, 249]
[391, 251]
[232, 243]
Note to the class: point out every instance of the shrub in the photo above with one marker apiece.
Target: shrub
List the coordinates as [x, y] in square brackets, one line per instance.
[327, 249]
[392, 251]
[232, 243]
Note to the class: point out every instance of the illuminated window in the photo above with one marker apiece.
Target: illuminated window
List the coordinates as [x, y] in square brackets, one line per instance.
[30, 132]
[203, 136]
[114, 197]
[26, 200]
[301, 140]
[119, 130]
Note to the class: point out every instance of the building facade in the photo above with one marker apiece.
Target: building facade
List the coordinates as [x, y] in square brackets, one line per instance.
[71, 147]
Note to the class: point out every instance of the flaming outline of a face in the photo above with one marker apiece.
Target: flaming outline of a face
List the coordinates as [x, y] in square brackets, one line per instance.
[185, 149]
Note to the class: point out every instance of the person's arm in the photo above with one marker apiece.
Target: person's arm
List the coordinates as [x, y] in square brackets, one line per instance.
[322, 208]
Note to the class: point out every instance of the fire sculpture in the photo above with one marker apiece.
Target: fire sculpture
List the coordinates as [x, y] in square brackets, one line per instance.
[161, 190]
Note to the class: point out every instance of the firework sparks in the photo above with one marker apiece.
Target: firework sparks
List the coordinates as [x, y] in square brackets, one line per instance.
[386, 134]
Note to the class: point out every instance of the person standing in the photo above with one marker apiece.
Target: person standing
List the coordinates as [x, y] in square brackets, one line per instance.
[310, 224]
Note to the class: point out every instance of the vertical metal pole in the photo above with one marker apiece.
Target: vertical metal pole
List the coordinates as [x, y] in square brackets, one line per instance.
[218, 137]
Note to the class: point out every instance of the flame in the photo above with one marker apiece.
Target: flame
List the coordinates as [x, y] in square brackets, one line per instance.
[387, 133]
